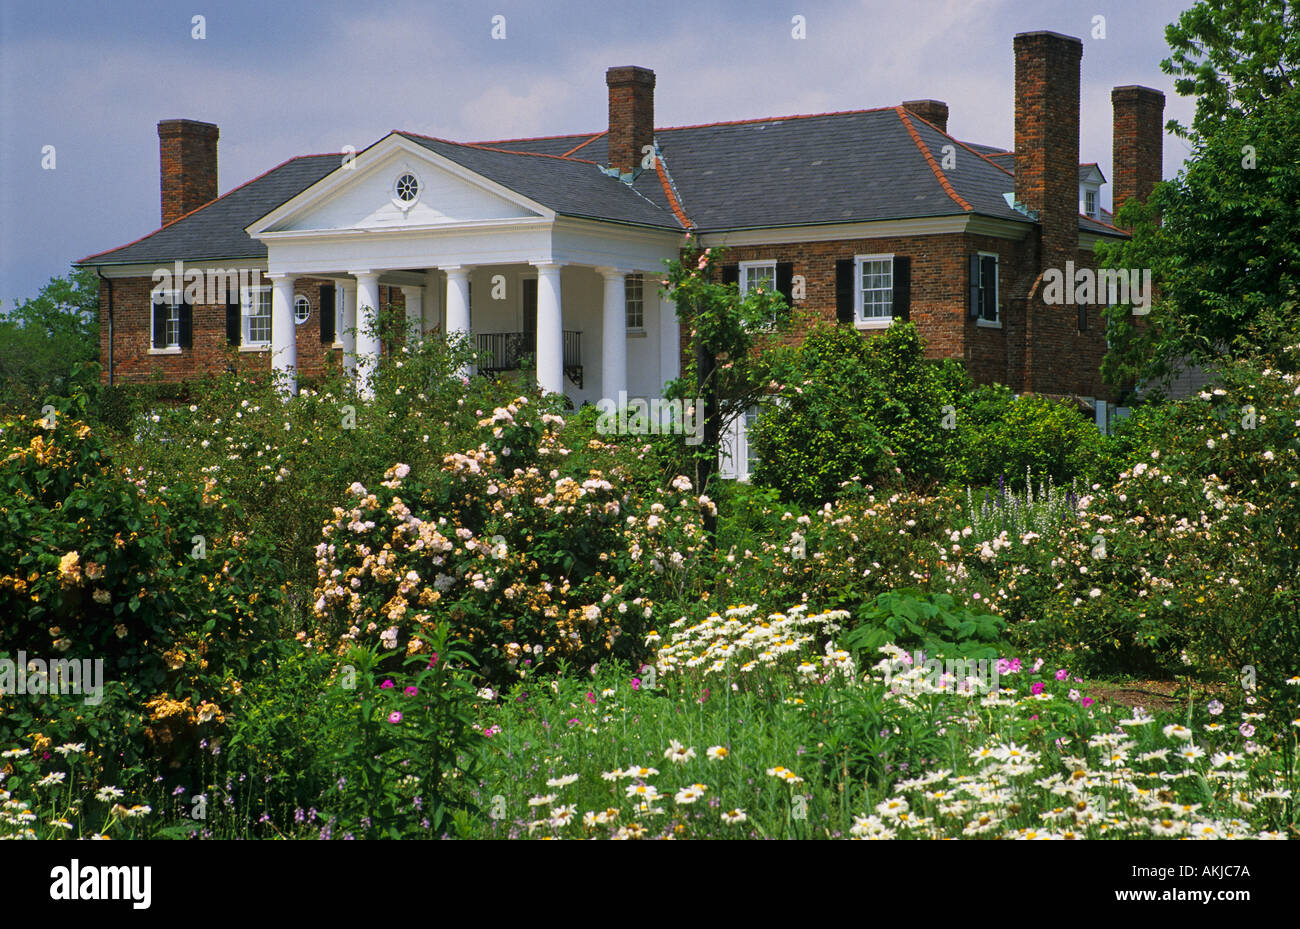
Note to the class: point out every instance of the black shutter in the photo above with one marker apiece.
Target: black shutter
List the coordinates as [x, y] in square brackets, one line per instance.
[731, 274]
[234, 325]
[187, 326]
[902, 308]
[989, 285]
[529, 296]
[974, 286]
[160, 311]
[844, 290]
[785, 280]
[327, 313]
[1083, 317]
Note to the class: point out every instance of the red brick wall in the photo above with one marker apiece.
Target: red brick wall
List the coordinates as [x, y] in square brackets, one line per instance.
[1138, 141]
[132, 336]
[187, 152]
[1070, 360]
[631, 115]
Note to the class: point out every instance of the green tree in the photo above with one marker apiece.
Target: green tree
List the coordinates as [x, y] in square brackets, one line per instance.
[1233, 56]
[723, 370]
[1222, 241]
[47, 344]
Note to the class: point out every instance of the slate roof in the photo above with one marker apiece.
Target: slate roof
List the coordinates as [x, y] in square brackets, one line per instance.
[217, 229]
[570, 186]
[853, 166]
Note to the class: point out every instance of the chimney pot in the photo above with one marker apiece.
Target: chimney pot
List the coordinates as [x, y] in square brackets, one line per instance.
[631, 115]
[187, 152]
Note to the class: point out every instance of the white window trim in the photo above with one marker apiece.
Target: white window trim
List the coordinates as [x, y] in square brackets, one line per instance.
[859, 318]
[980, 321]
[631, 330]
[246, 297]
[743, 284]
[340, 315]
[170, 298]
[296, 298]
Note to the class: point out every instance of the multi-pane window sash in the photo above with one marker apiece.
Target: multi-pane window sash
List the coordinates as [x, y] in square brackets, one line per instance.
[634, 300]
[256, 304]
[755, 274]
[876, 280]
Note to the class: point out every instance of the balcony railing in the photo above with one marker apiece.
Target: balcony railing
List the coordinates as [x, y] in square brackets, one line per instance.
[506, 351]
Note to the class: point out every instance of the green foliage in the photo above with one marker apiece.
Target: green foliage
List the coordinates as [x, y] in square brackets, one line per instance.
[1233, 56]
[850, 408]
[932, 623]
[49, 344]
[401, 742]
[723, 329]
[151, 579]
[1002, 437]
[525, 556]
[1225, 256]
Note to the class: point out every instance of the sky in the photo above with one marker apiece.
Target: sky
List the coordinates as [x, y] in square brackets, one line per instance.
[286, 78]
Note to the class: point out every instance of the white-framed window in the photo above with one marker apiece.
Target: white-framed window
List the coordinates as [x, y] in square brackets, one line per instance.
[874, 290]
[1090, 203]
[634, 299]
[165, 322]
[255, 306]
[751, 456]
[755, 274]
[736, 456]
[301, 309]
[988, 290]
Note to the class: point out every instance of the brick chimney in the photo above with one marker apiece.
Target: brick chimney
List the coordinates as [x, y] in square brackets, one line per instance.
[187, 150]
[631, 115]
[934, 112]
[1137, 153]
[1047, 139]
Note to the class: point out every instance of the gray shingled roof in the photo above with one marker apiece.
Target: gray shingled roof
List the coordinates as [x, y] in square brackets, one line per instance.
[566, 185]
[217, 230]
[799, 170]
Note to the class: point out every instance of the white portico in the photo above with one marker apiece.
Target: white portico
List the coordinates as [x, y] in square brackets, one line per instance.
[576, 295]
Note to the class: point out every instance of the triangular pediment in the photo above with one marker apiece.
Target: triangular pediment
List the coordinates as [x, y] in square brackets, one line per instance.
[396, 184]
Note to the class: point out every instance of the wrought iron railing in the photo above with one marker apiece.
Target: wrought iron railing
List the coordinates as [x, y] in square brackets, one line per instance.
[508, 351]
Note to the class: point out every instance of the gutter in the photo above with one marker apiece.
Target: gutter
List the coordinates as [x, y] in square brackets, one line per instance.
[109, 282]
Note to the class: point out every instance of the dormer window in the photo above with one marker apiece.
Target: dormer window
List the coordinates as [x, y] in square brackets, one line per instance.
[1090, 203]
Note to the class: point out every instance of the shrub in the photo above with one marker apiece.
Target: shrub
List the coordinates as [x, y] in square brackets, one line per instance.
[149, 579]
[1003, 436]
[526, 560]
[849, 408]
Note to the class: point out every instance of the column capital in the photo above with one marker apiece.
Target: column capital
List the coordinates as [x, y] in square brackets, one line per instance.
[456, 270]
[365, 273]
[279, 276]
[607, 271]
[547, 266]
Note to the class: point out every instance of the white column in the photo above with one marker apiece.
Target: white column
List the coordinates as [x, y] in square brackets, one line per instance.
[613, 345]
[550, 329]
[456, 313]
[349, 334]
[414, 297]
[432, 300]
[284, 335]
[670, 348]
[367, 329]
